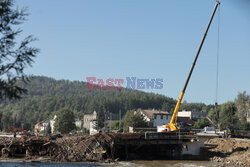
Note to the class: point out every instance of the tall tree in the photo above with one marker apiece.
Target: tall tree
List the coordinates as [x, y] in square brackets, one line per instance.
[243, 110]
[228, 118]
[14, 56]
[133, 119]
[48, 129]
[243, 105]
[100, 119]
[65, 121]
[6, 121]
[201, 123]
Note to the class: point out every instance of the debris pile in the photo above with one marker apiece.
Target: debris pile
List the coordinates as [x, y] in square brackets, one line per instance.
[81, 148]
[230, 151]
[68, 148]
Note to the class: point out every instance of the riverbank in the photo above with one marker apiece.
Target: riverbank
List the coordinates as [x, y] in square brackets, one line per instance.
[230, 152]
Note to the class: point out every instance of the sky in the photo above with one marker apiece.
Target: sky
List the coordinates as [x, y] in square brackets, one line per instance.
[146, 39]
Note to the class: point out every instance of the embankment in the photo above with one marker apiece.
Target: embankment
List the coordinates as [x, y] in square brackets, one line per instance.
[230, 152]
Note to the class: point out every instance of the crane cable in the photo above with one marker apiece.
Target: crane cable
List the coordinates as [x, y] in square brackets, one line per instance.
[217, 66]
[218, 54]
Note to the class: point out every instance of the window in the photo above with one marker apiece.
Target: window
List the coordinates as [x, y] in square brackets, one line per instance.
[161, 116]
[155, 116]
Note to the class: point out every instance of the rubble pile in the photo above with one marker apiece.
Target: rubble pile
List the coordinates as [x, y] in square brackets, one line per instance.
[68, 148]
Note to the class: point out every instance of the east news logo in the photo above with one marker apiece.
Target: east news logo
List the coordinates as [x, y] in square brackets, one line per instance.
[131, 83]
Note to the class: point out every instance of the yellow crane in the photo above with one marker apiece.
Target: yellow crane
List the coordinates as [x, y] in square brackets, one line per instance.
[172, 125]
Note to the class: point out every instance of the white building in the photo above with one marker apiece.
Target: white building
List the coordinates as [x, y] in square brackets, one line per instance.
[89, 118]
[192, 115]
[161, 119]
[41, 126]
[78, 123]
[158, 117]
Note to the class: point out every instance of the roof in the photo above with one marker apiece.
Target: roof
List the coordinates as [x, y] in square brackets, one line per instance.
[185, 120]
[150, 113]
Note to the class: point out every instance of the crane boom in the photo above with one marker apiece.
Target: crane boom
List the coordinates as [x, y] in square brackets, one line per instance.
[172, 125]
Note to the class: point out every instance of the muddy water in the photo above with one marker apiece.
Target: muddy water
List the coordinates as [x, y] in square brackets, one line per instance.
[119, 164]
[169, 163]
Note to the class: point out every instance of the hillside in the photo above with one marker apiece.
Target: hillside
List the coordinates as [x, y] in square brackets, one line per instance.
[47, 95]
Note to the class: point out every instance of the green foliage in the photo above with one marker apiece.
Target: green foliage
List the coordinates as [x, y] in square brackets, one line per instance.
[6, 121]
[243, 106]
[134, 119]
[48, 129]
[46, 96]
[197, 107]
[242, 125]
[242, 103]
[42, 132]
[201, 123]
[228, 116]
[115, 125]
[65, 121]
[84, 130]
[213, 115]
[233, 114]
[15, 56]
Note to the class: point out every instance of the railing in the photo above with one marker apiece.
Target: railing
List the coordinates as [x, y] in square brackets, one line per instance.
[168, 135]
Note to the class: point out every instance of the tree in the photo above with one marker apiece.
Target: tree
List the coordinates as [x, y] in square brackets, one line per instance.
[115, 125]
[197, 107]
[201, 123]
[6, 121]
[134, 119]
[14, 56]
[212, 114]
[48, 129]
[84, 130]
[228, 118]
[100, 119]
[243, 105]
[65, 121]
[243, 110]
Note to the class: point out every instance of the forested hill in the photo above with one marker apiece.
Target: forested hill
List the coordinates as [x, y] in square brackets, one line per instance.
[47, 95]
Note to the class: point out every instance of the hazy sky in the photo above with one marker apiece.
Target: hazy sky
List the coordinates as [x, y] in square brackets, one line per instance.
[144, 39]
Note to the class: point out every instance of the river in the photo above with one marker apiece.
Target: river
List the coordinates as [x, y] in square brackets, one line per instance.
[168, 163]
